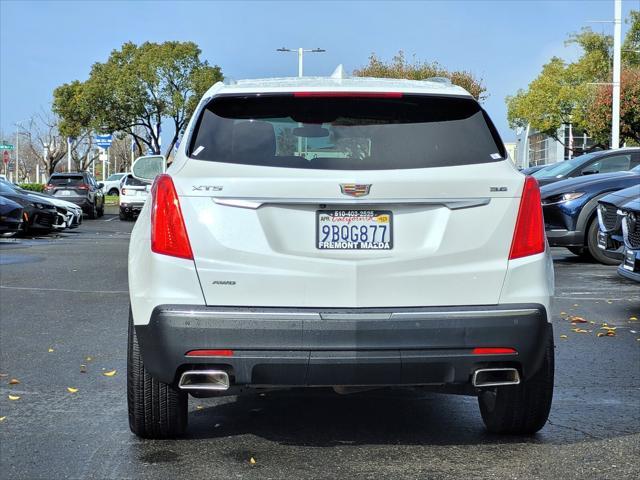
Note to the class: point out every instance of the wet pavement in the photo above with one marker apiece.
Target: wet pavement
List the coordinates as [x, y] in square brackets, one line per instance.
[64, 303]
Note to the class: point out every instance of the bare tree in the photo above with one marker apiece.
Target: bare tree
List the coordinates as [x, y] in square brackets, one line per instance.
[46, 141]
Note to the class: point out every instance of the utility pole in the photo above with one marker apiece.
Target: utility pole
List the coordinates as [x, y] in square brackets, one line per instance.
[615, 103]
[300, 52]
[68, 154]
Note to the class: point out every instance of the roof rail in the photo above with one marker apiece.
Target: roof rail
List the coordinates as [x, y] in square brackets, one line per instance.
[444, 80]
[229, 81]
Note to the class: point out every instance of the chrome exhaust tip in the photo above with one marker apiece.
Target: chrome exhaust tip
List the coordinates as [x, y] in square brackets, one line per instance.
[495, 377]
[204, 380]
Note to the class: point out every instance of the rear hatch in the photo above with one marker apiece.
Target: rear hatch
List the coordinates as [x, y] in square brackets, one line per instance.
[134, 190]
[348, 201]
[70, 185]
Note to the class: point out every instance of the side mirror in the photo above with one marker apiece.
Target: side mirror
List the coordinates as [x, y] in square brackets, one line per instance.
[148, 167]
[101, 185]
[589, 172]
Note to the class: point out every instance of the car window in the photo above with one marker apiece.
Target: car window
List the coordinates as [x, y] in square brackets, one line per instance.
[560, 169]
[615, 163]
[114, 177]
[345, 132]
[131, 181]
[66, 180]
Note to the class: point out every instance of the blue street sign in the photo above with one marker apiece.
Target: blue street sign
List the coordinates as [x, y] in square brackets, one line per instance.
[104, 141]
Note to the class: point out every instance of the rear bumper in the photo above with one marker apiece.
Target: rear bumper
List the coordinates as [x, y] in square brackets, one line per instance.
[307, 347]
[131, 208]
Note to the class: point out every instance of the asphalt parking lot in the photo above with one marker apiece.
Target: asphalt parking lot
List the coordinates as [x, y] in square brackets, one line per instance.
[63, 306]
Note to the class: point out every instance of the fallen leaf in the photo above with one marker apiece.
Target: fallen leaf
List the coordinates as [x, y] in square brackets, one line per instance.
[2, 375]
[633, 319]
[252, 461]
[609, 301]
[2, 419]
[592, 322]
[14, 381]
[14, 397]
[579, 330]
[576, 304]
[633, 331]
[50, 350]
[110, 373]
[83, 368]
[563, 336]
[199, 407]
[563, 313]
[575, 319]
[88, 359]
[72, 390]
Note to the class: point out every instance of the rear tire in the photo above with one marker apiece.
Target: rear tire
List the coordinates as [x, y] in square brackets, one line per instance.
[592, 244]
[100, 211]
[123, 216]
[113, 191]
[93, 212]
[157, 410]
[523, 408]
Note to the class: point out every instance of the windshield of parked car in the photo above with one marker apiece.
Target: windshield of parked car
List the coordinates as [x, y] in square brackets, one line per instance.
[560, 169]
[345, 131]
[6, 188]
[67, 180]
[115, 176]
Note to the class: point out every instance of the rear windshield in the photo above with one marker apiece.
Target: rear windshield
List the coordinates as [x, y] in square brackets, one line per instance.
[345, 133]
[131, 181]
[68, 180]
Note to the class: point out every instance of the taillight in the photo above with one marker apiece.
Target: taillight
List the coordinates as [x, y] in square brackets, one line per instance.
[493, 351]
[83, 186]
[168, 232]
[48, 186]
[125, 191]
[528, 237]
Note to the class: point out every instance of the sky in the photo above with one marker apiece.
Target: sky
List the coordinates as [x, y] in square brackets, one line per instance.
[46, 43]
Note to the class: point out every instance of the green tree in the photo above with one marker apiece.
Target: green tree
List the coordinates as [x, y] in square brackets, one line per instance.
[135, 90]
[399, 67]
[567, 92]
[599, 114]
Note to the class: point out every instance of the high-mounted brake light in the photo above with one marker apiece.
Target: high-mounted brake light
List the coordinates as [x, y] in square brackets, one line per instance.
[168, 231]
[493, 351]
[528, 236]
[349, 94]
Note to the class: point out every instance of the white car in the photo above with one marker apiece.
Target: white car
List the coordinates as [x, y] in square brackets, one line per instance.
[69, 214]
[340, 232]
[133, 195]
[112, 183]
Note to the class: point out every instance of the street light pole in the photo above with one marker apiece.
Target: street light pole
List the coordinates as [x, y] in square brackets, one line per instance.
[615, 103]
[300, 52]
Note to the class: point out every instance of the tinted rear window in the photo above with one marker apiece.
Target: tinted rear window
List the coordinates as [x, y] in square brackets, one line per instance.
[345, 133]
[131, 181]
[67, 180]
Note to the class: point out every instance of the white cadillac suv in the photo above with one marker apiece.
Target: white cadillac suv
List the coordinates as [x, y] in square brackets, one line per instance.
[340, 232]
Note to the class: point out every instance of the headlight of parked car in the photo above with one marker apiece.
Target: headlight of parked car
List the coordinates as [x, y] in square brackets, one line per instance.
[563, 197]
[37, 205]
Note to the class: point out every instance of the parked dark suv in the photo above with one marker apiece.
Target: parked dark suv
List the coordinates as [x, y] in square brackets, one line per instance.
[80, 188]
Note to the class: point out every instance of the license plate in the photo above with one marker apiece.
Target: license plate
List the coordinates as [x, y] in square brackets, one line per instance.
[66, 193]
[629, 260]
[354, 229]
[602, 240]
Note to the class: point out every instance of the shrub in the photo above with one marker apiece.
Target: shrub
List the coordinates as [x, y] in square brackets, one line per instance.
[34, 187]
